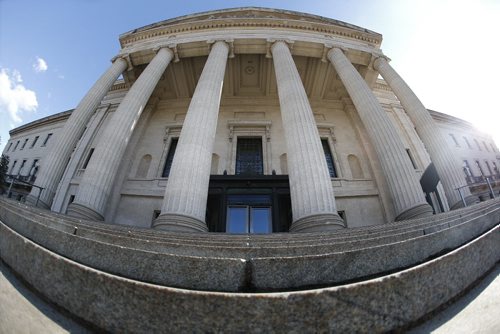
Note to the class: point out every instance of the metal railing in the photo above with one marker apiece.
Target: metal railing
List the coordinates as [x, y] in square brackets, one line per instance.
[482, 180]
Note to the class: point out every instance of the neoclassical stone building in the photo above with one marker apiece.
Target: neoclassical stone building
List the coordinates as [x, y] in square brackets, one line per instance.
[251, 121]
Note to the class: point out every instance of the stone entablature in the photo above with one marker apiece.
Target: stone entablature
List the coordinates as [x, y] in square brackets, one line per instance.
[250, 18]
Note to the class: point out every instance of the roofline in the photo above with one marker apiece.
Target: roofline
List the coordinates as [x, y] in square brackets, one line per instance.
[217, 11]
[45, 120]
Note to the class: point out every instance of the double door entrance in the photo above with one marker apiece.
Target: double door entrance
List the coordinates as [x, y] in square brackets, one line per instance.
[249, 214]
[249, 204]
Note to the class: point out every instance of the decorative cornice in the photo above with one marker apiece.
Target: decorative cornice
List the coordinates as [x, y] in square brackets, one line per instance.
[52, 119]
[227, 23]
[119, 86]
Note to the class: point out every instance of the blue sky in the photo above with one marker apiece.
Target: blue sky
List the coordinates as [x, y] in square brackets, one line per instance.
[52, 51]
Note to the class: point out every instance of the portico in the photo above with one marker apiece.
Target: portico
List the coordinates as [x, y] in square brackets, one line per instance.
[265, 63]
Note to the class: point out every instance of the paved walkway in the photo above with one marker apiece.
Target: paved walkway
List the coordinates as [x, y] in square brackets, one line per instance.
[21, 311]
[476, 312]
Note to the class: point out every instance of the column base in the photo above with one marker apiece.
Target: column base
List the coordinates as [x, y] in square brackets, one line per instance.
[418, 211]
[80, 211]
[318, 223]
[471, 199]
[179, 223]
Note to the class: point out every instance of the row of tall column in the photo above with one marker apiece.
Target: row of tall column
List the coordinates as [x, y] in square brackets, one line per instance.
[312, 195]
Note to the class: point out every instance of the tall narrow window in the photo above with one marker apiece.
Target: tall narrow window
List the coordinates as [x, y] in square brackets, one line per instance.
[411, 158]
[88, 158]
[467, 142]
[495, 168]
[355, 166]
[467, 169]
[21, 167]
[454, 140]
[477, 144]
[10, 145]
[488, 166]
[13, 166]
[143, 169]
[33, 171]
[34, 141]
[329, 158]
[24, 144]
[249, 159]
[478, 164]
[47, 139]
[170, 157]
[486, 146]
[15, 147]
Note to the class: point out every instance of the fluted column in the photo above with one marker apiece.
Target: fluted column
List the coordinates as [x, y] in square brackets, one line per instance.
[96, 184]
[53, 165]
[185, 201]
[311, 190]
[447, 165]
[407, 195]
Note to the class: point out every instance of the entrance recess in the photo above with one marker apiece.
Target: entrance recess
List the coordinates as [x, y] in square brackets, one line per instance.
[249, 204]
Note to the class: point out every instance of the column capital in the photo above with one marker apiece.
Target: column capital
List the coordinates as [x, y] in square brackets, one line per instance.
[272, 42]
[227, 42]
[124, 56]
[331, 47]
[377, 57]
[168, 47]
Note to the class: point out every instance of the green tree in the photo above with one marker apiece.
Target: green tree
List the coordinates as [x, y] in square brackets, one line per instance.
[4, 167]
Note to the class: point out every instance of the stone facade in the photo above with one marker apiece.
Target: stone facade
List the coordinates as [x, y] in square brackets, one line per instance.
[294, 82]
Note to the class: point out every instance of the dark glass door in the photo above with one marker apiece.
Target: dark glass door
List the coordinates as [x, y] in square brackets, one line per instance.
[249, 214]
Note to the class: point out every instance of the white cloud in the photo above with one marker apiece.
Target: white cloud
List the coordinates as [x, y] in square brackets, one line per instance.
[40, 65]
[14, 97]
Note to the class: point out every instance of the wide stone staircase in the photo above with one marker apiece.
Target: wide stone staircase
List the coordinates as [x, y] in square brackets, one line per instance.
[371, 279]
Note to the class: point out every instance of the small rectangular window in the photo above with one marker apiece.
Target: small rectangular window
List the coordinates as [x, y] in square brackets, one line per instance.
[170, 157]
[10, 145]
[34, 141]
[329, 158]
[88, 158]
[47, 139]
[15, 147]
[342, 215]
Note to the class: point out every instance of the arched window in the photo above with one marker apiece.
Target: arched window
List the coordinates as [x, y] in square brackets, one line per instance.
[142, 170]
[283, 164]
[215, 164]
[355, 166]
